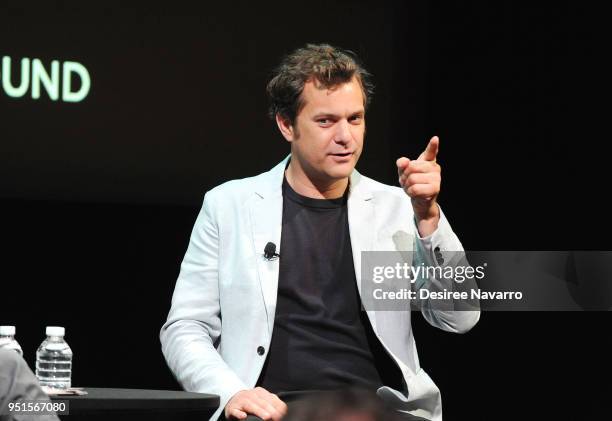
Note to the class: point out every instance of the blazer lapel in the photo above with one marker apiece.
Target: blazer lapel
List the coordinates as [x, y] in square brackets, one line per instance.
[361, 216]
[266, 212]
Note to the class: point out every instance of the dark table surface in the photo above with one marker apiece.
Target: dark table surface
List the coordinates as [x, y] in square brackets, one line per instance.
[139, 403]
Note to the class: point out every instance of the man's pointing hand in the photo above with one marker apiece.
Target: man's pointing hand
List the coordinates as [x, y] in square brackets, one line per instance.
[421, 180]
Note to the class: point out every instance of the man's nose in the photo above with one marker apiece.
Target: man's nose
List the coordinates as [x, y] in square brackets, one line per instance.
[343, 132]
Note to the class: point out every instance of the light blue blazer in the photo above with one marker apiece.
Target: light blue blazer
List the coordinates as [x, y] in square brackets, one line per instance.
[224, 301]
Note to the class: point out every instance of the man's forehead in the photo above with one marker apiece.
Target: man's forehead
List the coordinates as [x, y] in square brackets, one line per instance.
[344, 95]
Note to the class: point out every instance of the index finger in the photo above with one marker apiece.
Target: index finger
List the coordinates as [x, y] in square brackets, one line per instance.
[431, 151]
[237, 413]
[255, 408]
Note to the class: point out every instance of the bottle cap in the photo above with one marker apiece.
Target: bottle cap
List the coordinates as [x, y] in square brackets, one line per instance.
[55, 331]
[7, 330]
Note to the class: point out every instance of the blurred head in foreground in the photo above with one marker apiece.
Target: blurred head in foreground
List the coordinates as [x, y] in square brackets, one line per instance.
[344, 405]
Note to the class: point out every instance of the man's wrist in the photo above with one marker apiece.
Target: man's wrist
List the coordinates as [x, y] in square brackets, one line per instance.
[427, 222]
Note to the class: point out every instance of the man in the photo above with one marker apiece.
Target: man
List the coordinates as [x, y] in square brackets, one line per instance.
[353, 405]
[19, 385]
[249, 326]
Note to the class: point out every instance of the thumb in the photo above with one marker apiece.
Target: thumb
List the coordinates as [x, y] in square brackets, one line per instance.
[402, 163]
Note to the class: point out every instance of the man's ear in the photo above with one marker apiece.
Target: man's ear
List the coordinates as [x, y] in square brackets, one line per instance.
[285, 127]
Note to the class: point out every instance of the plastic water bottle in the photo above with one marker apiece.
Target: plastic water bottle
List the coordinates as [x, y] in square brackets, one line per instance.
[7, 339]
[54, 359]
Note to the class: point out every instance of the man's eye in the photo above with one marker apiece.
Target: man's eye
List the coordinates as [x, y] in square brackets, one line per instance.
[323, 121]
[355, 118]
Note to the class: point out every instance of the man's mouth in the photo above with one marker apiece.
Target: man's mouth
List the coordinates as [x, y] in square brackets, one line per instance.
[342, 154]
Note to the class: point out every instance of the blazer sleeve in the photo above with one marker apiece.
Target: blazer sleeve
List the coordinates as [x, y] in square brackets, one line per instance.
[190, 336]
[443, 250]
[19, 384]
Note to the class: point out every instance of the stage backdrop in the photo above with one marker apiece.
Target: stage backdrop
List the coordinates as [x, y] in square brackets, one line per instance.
[151, 105]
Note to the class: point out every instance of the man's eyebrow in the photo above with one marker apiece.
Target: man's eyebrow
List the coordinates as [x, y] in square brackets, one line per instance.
[324, 114]
[334, 115]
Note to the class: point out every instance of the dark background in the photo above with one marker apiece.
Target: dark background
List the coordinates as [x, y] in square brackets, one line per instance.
[98, 198]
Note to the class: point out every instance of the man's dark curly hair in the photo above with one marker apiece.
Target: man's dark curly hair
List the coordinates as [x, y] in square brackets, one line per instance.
[323, 64]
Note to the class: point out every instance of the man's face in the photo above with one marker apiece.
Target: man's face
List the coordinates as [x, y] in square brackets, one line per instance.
[327, 136]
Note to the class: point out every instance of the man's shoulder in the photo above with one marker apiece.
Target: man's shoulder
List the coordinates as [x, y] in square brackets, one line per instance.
[240, 188]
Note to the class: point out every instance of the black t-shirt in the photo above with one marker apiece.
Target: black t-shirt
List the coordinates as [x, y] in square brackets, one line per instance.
[322, 340]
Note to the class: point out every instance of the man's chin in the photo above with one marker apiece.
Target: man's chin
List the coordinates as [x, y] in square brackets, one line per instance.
[340, 172]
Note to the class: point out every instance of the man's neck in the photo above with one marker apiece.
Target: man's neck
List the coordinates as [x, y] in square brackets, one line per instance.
[306, 186]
